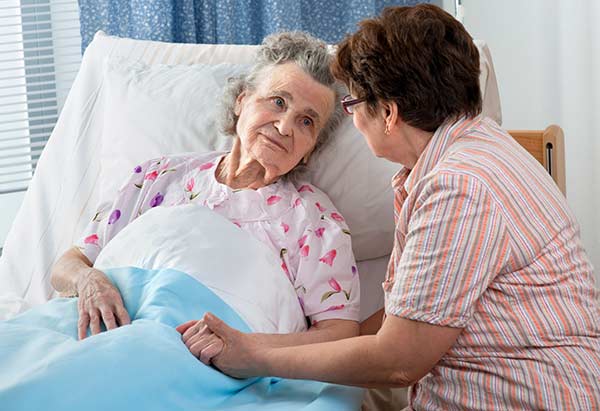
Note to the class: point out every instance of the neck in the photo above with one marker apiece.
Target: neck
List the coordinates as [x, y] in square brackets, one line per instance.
[238, 171]
[416, 141]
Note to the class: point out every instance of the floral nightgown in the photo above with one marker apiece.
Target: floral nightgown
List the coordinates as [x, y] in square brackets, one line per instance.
[299, 223]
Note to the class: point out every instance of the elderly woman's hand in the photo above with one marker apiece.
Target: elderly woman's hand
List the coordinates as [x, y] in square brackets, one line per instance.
[99, 300]
[200, 340]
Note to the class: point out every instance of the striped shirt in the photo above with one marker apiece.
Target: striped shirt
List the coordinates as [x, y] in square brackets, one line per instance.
[485, 241]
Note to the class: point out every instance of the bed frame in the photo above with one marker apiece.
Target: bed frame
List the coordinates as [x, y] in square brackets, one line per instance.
[548, 147]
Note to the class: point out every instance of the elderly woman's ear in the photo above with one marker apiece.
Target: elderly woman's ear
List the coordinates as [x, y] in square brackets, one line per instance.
[237, 108]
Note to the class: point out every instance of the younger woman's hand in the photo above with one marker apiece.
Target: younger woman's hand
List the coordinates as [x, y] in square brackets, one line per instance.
[201, 342]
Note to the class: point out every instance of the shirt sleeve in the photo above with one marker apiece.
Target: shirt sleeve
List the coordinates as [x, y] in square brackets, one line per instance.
[326, 279]
[112, 215]
[455, 244]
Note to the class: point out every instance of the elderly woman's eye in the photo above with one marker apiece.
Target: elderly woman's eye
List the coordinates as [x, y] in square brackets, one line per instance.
[307, 122]
[279, 102]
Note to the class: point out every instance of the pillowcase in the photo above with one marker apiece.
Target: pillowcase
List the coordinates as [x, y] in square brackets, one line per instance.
[158, 110]
[153, 110]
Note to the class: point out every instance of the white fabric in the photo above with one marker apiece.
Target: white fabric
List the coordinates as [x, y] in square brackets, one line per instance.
[64, 189]
[158, 110]
[230, 262]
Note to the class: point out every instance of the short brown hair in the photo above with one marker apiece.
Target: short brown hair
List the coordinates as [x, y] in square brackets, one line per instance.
[420, 57]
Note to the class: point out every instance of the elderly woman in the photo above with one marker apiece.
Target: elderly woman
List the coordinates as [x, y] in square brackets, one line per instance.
[489, 300]
[278, 115]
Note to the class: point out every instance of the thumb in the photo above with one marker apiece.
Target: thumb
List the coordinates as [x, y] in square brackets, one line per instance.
[216, 325]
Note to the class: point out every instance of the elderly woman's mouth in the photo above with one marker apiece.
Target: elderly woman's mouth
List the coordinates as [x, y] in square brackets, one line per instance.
[273, 141]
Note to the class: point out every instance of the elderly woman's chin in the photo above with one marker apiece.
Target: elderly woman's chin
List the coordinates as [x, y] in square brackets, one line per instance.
[274, 160]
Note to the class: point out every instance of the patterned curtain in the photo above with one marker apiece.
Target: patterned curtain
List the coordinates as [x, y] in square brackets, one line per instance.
[225, 21]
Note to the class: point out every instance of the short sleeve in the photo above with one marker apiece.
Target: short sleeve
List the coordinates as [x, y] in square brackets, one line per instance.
[455, 243]
[326, 277]
[112, 215]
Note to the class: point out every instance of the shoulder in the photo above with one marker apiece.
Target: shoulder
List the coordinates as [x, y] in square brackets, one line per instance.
[182, 159]
[318, 207]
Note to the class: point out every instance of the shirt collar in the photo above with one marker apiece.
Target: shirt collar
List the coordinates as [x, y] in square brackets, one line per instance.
[440, 142]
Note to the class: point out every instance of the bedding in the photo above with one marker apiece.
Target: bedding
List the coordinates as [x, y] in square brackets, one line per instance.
[145, 365]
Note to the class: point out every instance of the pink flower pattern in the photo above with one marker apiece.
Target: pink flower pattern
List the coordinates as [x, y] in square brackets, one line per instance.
[206, 166]
[319, 232]
[337, 217]
[305, 250]
[329, 257]
[285, 227]
[335, 285]
[91, 239]
[189, 186]
[302, 240]
[151, 176]
[320, 207]
[273, 200]
[304, 188]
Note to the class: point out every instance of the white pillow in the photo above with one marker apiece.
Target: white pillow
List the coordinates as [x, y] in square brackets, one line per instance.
[152, 110]
[157, 110]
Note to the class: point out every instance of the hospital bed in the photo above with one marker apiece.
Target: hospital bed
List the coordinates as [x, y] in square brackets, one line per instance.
[133, 100]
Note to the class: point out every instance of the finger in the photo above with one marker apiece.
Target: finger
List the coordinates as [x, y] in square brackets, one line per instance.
[217, 326]
[95, 322]
[109, 318]
[212, 350]
[192, 331]
[206, 333]
[200, 344]
[82, 325]
[122, 314]
[182, 328]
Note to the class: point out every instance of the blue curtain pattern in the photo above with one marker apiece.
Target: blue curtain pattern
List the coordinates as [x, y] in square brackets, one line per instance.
[225, 21]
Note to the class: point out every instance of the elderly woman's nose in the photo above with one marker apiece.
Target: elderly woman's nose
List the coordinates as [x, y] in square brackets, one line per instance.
[285, 124]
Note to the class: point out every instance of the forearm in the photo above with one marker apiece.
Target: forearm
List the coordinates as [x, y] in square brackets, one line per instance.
[330, 330]
[67, 271]
[361, 361]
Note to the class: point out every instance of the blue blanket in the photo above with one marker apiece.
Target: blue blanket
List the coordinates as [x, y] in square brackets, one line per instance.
[142, 366]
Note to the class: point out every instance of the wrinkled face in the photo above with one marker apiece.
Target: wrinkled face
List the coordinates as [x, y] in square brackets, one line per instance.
[280, 120]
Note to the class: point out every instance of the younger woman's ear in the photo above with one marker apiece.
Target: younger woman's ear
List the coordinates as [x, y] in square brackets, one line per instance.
[390, 114]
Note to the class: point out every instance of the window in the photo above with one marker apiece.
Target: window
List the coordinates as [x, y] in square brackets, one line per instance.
[40, 53]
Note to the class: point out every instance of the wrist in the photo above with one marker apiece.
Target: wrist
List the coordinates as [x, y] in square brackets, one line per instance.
[81, 280]
[264, 360]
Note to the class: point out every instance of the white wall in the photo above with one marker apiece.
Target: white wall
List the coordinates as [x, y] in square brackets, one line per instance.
[547, 59]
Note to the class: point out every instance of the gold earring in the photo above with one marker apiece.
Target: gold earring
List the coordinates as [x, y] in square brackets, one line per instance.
[305, 159]
[387, 129]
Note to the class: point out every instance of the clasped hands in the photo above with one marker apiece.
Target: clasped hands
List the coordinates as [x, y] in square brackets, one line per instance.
[213, 342]
[200, 340]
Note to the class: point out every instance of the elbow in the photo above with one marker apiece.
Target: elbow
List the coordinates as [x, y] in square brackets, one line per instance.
[401, 379]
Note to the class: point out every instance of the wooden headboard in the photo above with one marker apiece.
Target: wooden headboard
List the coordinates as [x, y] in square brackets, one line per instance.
[548, 147]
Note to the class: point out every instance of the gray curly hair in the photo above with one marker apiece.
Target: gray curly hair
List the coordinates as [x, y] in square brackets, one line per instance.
[311, 55]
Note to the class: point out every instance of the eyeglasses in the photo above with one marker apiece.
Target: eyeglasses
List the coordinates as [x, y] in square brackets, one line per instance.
[348, 102]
